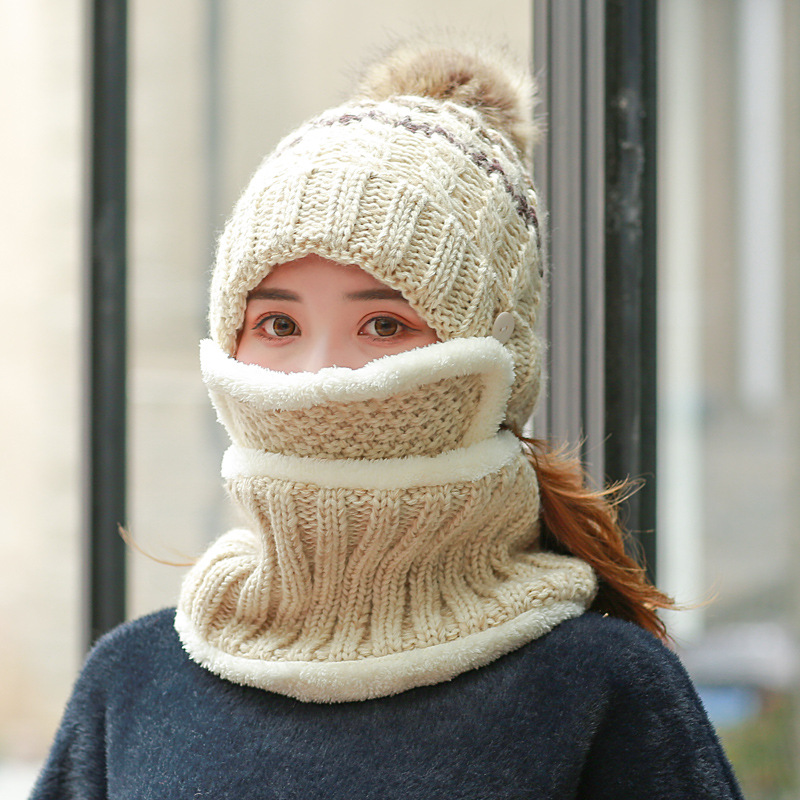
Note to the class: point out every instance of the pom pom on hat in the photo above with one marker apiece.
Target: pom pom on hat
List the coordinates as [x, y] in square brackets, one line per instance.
[486, 80]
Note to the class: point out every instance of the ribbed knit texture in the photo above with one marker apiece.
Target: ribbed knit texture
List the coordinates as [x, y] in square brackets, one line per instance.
[343, 574]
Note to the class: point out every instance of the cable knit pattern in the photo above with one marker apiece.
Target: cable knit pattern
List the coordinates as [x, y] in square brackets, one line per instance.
[361, 577]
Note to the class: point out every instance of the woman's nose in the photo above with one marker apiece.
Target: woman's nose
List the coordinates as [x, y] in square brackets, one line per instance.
[326, 351]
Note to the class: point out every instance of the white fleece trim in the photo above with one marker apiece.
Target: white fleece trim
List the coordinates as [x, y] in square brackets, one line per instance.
[381, 676]
[268, 390]
[455, 466]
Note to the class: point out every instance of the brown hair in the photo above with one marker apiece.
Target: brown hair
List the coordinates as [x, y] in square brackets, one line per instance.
[582, 522]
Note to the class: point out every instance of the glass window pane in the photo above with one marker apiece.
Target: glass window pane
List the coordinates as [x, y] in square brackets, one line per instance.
[40, 208]
[730, 400]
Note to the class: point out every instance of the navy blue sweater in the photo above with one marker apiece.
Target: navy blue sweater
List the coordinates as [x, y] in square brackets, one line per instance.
[595, 709]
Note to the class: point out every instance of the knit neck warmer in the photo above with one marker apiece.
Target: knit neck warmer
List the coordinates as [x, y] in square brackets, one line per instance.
[393, 528]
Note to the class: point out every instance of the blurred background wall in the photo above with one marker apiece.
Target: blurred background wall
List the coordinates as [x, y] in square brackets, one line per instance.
[213, 87]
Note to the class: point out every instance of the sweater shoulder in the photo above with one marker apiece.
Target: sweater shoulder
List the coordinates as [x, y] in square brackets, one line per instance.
[595, 633]
[638, 677]
[592, 626]
[149, 628]
[618, 652]
[653, 730]
[149, 639]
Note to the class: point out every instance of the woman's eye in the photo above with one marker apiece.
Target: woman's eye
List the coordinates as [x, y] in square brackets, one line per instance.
[279, 325]
[383, 327]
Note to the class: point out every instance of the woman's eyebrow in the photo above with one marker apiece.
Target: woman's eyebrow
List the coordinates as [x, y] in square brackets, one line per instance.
[273, 294]
[375, 294]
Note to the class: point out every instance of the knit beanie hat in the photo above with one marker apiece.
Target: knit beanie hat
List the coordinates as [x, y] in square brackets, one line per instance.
[423, 181]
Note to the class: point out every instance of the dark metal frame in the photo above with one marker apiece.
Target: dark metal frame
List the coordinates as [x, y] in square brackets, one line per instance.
[596, 63]
[107, 319]
[630, 257]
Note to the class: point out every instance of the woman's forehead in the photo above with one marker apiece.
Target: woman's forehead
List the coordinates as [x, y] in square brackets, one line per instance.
[312, 270]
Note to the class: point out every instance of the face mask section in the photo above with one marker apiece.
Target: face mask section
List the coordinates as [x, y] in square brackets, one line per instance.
[423, 402]
[393, 529]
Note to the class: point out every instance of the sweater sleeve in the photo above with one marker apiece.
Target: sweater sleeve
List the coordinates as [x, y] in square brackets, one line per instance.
[654, 740]
[102, 708]
[76, 765]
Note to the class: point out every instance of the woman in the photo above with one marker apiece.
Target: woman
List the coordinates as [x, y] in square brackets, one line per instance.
[422, 605]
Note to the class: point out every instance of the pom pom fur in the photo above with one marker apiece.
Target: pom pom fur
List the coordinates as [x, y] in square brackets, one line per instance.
[472, 76]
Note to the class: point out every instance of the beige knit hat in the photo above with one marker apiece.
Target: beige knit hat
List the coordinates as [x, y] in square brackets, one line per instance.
[423, 181]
